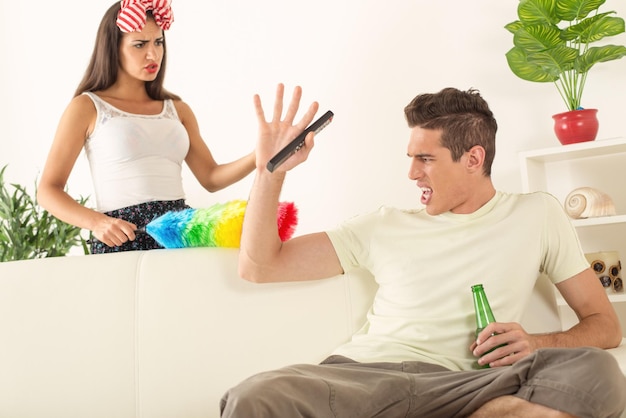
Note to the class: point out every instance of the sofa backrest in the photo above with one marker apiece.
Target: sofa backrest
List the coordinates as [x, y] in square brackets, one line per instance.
[165, 333]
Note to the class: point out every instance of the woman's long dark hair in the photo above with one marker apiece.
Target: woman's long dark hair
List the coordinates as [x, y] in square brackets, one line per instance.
[103, 66]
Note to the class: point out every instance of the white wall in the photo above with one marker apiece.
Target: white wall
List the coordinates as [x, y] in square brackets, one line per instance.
[363, 59]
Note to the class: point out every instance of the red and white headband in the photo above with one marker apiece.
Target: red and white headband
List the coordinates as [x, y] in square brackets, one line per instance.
[132, 15]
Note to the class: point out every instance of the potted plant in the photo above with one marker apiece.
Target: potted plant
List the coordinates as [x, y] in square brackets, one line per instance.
[27, 231]
[552, 41]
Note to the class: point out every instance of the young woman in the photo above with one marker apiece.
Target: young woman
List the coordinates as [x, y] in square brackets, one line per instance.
[135, 134]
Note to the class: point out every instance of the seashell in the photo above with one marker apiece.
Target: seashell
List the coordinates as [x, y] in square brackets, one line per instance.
[587, 202]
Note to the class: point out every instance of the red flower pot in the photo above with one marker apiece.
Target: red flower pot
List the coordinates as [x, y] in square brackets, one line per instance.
[576, 126]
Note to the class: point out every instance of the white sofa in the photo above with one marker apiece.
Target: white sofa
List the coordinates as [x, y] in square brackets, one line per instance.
[165, 333]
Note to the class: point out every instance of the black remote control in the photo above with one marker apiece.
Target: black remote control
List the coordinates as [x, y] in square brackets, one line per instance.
[297, 143]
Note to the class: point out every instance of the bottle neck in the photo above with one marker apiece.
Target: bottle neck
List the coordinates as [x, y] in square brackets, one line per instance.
[484, 315]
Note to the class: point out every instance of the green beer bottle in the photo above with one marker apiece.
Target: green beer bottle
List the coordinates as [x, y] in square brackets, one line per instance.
[484, 315]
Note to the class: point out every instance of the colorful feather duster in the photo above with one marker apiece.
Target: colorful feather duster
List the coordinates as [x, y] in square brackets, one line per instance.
[216, 226]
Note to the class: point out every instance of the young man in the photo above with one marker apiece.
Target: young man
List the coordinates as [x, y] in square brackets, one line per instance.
[416, 355]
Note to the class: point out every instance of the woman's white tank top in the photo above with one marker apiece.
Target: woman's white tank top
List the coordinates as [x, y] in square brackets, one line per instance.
[135, 158]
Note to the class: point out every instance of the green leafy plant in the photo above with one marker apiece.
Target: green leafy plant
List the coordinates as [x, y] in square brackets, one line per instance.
[552, 43]
[28, 231]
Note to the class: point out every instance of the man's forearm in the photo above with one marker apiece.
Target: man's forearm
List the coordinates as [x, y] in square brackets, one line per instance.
[260, 242]
[594, 331]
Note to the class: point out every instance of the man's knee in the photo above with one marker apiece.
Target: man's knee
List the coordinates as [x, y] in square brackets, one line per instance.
[611, 385]
[587, 379]
[597, 362]
[253, 392]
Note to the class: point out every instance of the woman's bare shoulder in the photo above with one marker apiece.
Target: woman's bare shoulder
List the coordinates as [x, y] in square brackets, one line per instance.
[184, 111]
[80, 114]
[82, 104]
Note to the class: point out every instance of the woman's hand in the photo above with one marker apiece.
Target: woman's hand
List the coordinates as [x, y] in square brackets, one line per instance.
[113, 231]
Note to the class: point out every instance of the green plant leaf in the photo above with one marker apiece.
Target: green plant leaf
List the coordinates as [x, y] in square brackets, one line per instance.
[537, 12]
[598, 54]
[28, 231]
[570, 10]
[537, 38]
[514, 26]
[555, 61]
[539, 56]
[594, 28]
[525, 69]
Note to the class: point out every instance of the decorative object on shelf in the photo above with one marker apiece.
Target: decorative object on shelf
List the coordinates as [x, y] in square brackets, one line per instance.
[218, 225]
[587, 202]
[608, 268]
[576, 126]
[552, 44]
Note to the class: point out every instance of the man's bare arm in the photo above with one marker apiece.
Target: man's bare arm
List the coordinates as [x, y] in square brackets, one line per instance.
[263, 257]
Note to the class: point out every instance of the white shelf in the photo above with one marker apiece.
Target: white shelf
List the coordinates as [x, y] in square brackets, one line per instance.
[597, 164]
[574, 151]
[602, 220]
